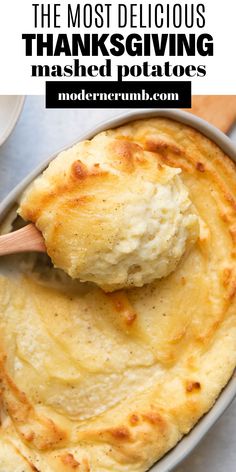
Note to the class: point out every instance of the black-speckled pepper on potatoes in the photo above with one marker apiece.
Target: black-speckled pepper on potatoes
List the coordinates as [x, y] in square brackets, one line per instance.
[110, 382]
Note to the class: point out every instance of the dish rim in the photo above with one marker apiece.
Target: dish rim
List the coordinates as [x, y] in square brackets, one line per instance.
[186, 445]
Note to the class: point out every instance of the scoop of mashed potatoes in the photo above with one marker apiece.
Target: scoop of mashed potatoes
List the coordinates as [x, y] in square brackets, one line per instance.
[111, 213]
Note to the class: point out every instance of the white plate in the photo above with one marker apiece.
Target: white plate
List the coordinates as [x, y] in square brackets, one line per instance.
[10, 110]
[189, 442]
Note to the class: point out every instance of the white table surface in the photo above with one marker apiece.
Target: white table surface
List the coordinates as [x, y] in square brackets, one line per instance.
[38, 134]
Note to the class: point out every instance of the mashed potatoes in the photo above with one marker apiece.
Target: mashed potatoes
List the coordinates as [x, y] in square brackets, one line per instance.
[109, 382]
[111, 214]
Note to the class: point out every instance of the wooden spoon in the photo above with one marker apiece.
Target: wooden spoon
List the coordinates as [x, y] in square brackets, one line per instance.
[25, 239]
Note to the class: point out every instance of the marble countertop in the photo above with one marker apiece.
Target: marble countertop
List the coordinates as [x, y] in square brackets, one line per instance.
[39, 133]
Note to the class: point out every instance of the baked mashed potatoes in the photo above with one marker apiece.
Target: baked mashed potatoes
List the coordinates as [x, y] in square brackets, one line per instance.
[111, 213]
[94, 381]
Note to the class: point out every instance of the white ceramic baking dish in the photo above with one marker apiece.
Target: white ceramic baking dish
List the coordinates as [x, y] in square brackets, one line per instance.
[187, 444]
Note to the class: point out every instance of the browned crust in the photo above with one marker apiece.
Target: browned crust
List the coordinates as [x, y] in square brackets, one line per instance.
[38, 431]
[123, 308]
[139, 432]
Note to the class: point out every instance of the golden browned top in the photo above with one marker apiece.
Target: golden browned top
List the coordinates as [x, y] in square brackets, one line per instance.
[112, 213]
[109, 382]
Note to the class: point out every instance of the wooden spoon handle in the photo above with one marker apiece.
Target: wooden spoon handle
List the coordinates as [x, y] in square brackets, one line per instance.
[25, 239]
